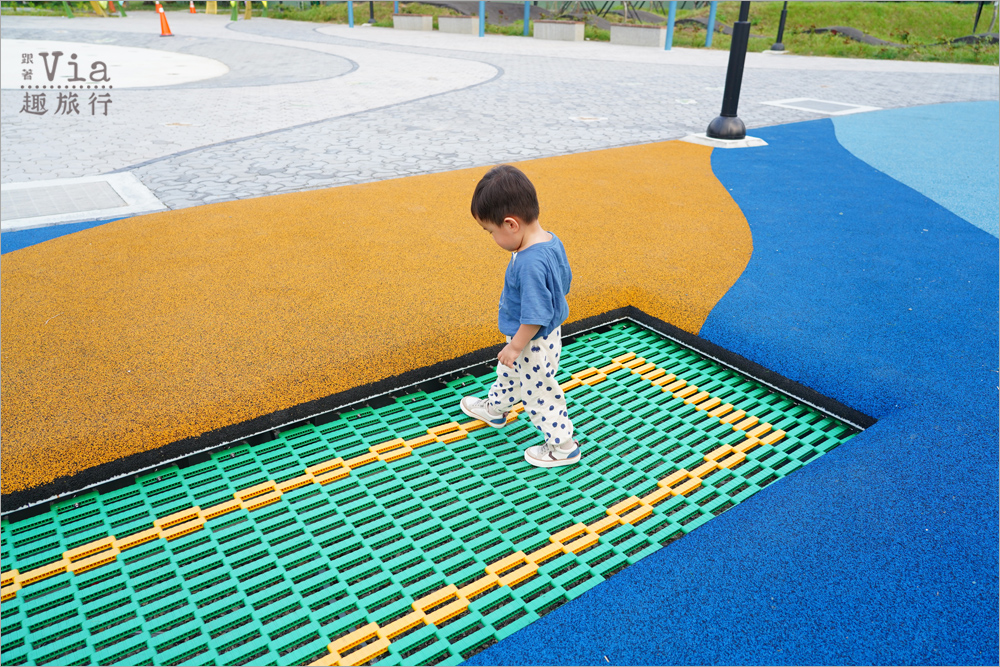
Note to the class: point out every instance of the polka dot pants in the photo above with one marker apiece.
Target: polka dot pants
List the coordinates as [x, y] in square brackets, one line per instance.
[533, 381]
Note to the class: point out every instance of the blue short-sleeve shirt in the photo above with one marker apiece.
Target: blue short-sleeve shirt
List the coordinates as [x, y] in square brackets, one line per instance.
[535, 287]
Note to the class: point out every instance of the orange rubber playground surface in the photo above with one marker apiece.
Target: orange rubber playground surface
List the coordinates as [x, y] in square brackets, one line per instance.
[175, 324]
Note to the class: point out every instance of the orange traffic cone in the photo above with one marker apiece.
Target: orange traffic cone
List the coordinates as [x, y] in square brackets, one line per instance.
[164, 26]
[191, 7]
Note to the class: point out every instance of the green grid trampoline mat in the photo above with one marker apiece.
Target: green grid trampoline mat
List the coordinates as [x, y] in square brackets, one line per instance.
[276, 585]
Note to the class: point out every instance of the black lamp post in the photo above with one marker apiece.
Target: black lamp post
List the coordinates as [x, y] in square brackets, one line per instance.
[371, 13]
[979, 12]
[727, 125]
[778, 45]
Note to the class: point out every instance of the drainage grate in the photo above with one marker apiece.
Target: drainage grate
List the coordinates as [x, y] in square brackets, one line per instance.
[89, 198]
[825, 107]
[396, 534]
[59, 199]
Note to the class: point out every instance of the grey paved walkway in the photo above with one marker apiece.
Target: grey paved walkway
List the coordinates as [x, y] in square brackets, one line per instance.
[317, 108]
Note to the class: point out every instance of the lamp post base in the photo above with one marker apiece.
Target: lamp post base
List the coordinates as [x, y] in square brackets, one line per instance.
[726, 127]
[704, 140]
[778, 46]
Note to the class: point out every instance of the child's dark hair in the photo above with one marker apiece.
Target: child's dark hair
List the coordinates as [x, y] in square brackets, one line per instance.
[504, 191]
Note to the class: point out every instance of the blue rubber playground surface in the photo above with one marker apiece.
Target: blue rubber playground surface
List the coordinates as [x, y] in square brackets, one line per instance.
[715, 520]
[868, 284]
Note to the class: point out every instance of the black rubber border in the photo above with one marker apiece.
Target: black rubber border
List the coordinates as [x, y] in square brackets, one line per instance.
[118, 474]
[755, 371]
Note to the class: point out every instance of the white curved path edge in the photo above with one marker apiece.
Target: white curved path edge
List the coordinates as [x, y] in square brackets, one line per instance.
[127, 67]
[153, 123]
[529, 46]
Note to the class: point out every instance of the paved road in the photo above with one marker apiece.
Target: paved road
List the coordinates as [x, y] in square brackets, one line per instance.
[306, 106]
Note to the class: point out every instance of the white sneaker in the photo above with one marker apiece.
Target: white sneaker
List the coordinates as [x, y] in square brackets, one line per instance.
[478, 408]
[547, 456]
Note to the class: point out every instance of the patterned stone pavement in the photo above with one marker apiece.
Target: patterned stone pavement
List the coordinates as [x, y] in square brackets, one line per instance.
[307, 106]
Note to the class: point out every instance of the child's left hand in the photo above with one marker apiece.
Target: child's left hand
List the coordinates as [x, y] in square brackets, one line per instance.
[508, 355]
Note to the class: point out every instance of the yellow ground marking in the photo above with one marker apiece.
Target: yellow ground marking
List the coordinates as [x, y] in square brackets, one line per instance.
[129, 336]
[517, 567]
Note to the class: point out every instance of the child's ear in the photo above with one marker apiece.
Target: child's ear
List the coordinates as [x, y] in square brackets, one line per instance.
[511, 223]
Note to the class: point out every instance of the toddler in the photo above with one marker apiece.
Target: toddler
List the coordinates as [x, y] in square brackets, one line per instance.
[532, 309]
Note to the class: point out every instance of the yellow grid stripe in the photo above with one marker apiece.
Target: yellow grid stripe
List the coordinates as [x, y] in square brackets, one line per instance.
[107, 549]
[178, 524]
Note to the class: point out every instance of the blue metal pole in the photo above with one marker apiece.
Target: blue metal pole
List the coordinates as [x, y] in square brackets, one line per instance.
[671, 16]
[350, 14]
[711, 23]
[527, 18]
[395, 7]
[482, 17]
